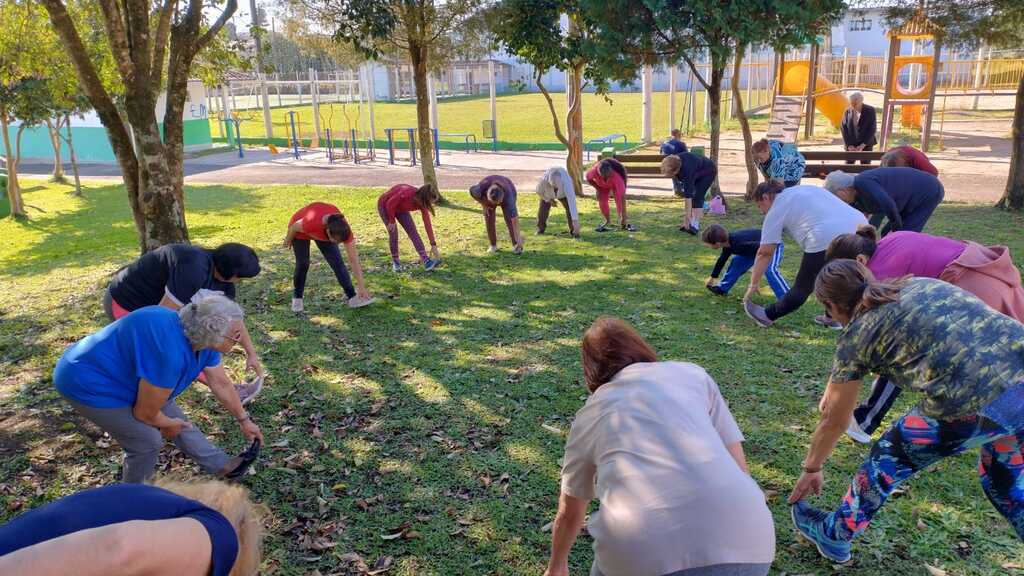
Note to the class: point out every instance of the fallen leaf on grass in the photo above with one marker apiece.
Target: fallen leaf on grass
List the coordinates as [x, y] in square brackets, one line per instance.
[382, 565]
[552, 429]
[396, 532]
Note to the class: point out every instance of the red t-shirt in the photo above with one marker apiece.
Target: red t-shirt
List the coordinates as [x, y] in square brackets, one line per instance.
[917, 159]
[402, 198]
[312, 219]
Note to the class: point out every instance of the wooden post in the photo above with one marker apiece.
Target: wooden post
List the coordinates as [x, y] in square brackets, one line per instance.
[926, 129]
[314, 94]
[647, 95]
[846, 54]
[432, 90]
[856, 71]
[672, 98]
[494, 104]
[370, 97]
[977, 77]
[750, 69]
[812, 80]
[890, 63]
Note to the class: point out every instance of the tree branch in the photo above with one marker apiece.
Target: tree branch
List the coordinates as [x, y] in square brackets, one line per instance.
[229, 11]
[163, 33]
[538, 73]
[696, 73]
[116, 33]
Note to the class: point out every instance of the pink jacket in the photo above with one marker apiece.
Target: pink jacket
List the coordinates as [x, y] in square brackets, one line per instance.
[988, 272]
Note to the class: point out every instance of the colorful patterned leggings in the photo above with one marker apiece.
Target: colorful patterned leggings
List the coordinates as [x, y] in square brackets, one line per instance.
[915, 442]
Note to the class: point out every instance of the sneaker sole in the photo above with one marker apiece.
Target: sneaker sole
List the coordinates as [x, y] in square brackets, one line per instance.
[254, 395]
[792, 516]
[366, 303]
[752, 317]
[858, 438]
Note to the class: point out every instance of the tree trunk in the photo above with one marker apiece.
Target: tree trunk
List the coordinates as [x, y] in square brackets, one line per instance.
[1013, 197]
[53, 127]
[418, 57]
[72, 156]
[741, 115]
[715, 111]
[160, 195]
[13, 189]
[574, 127]
[575, 168]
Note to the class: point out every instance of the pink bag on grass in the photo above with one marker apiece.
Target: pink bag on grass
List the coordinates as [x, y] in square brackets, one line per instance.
[717, 206]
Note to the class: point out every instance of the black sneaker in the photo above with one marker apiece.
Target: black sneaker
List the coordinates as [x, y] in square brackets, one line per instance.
[251, 454]
[688, 230]
[714, 289]
[603, 228]
[629, 228]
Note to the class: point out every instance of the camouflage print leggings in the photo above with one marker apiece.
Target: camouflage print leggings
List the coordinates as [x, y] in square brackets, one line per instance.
[915, 442]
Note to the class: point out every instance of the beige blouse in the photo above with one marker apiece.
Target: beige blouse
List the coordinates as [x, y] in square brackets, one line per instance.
[651, 446]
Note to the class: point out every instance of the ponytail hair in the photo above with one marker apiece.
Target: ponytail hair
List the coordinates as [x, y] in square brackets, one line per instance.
[849, 246]
[427, 196]
[851, 287]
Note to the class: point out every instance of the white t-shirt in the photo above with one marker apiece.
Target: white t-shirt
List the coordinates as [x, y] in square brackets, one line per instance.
[651, 446]
[812, 215]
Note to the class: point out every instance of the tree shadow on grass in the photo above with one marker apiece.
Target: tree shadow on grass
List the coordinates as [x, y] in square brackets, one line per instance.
[100, 228]
[446, 404]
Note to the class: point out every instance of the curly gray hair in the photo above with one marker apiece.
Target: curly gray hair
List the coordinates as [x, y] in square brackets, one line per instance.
[206, 321]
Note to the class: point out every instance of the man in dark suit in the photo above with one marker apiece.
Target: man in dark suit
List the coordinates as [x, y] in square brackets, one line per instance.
[859, 126]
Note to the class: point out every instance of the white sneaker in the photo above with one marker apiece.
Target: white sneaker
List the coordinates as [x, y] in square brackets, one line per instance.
[358, 301]
[856, 434]
[297, 305]
[492, 249]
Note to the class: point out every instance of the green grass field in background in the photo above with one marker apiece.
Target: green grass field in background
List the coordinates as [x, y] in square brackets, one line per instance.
[522, 118]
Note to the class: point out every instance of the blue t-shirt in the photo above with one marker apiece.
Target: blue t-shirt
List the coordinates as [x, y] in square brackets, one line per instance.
[115, 504]
[103, 369]
[672, 146]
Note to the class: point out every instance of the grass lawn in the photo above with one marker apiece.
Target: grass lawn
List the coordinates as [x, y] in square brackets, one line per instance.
[446, 404]
[522, 118]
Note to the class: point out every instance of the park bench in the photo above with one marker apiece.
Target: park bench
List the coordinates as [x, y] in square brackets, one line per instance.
[819, 162]
[603, 140]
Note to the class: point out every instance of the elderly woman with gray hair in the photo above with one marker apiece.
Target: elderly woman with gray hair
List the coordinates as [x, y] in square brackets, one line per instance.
[126, 377]
[906, 196]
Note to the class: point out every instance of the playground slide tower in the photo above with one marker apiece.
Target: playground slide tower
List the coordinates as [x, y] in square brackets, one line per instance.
[794, 83]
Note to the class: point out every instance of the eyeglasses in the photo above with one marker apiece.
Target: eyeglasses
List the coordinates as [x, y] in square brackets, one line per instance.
[236, 338]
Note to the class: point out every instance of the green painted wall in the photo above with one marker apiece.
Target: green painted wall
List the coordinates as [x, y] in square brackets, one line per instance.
[92, 144]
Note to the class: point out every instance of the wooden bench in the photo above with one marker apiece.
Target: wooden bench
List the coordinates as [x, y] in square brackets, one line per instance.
[819, 163]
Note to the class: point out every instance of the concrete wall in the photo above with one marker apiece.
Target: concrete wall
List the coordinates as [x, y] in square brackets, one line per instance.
[90, 137]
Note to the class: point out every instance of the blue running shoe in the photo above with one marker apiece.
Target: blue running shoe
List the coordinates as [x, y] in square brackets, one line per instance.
[810, 523]
[429, 264]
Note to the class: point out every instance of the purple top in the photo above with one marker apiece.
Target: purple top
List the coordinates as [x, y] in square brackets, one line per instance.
[922, 255]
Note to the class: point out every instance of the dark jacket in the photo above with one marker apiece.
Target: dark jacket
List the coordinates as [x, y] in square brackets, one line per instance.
[895, 192]
[866, 129]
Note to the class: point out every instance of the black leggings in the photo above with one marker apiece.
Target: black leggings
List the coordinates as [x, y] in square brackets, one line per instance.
[810, 264]
[333, 257]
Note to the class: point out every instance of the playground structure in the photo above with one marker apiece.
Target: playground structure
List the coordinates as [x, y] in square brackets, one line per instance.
[794, 86]
[911, 98]
[800, 88]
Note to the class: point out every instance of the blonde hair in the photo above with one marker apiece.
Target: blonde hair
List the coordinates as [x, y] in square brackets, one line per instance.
[670, 165]
[232, 501]
[851, 287]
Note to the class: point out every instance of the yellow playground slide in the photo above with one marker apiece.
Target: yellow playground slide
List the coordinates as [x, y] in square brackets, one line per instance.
[794, 83]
